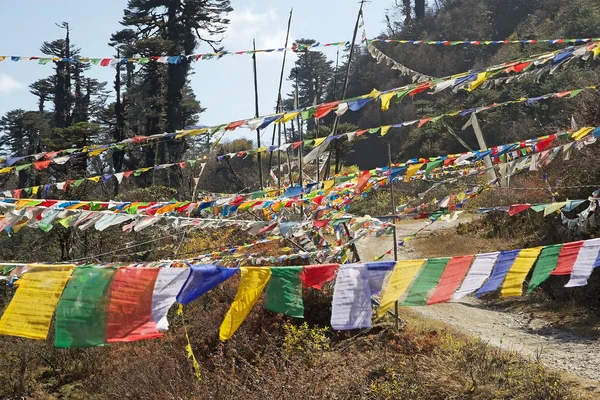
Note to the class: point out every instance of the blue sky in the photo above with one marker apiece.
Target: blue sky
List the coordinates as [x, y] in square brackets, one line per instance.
[224, 87]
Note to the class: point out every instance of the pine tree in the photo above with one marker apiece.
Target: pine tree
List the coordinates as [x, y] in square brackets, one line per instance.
[167, 27]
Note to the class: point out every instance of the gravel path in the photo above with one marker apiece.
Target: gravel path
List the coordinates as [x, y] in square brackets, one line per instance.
[519, 332]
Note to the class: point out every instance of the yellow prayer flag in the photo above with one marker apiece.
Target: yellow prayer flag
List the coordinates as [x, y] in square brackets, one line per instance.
[412, 169]
[385, 129]
[94, 179]
[328, 184]
[288, 117]
[252, 284]
[6, 170]
[261, 149]
[403, 274]
[476, 83]
[30, 310]
[554, 207]
[385, 100]
[513, 283]
[319, 141]
[583, 132]
[35, 190]
[17, 227]
[374, 93]
[97, 152]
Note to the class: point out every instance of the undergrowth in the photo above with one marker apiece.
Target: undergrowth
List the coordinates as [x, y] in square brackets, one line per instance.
[272, 356]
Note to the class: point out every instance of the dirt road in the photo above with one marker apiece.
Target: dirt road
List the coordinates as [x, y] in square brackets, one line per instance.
[530, 337]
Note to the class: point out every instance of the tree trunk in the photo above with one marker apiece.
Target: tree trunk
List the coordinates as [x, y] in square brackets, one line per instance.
[419, 9]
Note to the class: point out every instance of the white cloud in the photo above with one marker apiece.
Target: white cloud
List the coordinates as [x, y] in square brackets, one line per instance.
[267, 27]
[8, 84]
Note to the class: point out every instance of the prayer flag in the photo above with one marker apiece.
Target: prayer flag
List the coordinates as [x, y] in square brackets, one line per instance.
[283, 293]
[567, 257]
[252, 283]
[351, 307]
[505, 261]
[30, 311]
[399, 281]
[130, 305]
[479, 272]
[451, 279]
[81, 313]
[315, 276]
[513, 284]
[427, 280]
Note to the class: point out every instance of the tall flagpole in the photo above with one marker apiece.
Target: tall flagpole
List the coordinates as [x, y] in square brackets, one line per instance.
[345, 87]
[260, 171]
[279, 105]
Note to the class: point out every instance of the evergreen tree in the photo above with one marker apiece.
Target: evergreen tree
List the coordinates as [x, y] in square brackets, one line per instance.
[168, 27]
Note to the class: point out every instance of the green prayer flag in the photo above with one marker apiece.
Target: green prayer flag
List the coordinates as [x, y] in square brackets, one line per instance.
[283, 293]
[78, 182]
[45, 226]
[544, 266]
[428, 279]
[258, 194]
[95, 206]
[575, 93]
[374, 130]
[400, 95]
[432, 165]
[22, 167]
[306, 114]
[436, 119]
[81, 313]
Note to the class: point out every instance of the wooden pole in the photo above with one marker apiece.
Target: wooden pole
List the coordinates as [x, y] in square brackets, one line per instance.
[256, 114]
[393, 201]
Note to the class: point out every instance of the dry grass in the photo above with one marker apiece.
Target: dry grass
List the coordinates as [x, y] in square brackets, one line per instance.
[273, 357]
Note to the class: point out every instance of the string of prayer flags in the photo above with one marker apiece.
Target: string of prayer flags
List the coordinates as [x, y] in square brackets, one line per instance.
[174, 59]
[102, 304]
[486, 42]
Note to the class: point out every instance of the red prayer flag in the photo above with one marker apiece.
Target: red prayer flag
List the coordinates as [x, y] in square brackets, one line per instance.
[518, 208]
[320, 223]
[17, 194]
[419, 89]
[130, 305]
[234, 125]
[40, 165]
[543, 144]
[105, 62]
[451, 279]
[267, 228]
[325, 109]
[423, 122]
[567, 257]
[362, 182]
[295, 145]
[518, 67]
[127, 174]
[314, 276]
[358, 133]
[51, 154]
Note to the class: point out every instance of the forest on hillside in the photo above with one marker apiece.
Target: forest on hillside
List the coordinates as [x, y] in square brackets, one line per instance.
[273, 353]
